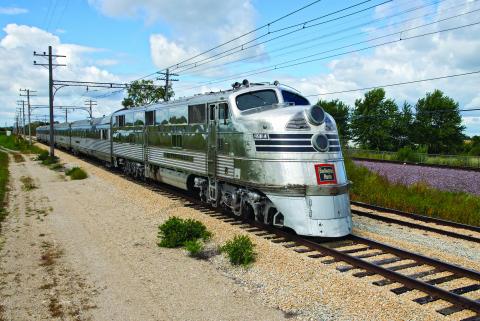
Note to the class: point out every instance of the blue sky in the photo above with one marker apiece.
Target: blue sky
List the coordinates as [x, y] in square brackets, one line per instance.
[121, 40]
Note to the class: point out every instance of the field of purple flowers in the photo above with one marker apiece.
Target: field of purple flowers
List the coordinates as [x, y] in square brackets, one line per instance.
[446, 179]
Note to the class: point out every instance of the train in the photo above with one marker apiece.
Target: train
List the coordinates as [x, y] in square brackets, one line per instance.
[260, 150]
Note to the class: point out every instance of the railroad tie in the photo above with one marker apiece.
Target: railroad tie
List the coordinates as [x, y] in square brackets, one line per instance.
[459, 291]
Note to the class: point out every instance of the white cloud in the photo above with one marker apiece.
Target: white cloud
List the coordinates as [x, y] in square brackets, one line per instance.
[12, 10]
[17, 70]
[194, 25]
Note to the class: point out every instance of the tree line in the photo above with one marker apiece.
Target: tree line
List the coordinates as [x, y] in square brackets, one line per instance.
[432, 125]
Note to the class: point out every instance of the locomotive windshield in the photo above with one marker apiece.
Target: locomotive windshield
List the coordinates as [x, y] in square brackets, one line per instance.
[256, 99]
[294, 99]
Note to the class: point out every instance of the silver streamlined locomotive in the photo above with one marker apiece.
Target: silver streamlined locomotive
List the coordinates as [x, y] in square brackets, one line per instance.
[260, 150]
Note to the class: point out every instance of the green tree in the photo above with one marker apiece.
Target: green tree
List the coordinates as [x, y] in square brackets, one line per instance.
[403, 127]
[341, 113]
[373, 122]
[144, 92]
[438, 123]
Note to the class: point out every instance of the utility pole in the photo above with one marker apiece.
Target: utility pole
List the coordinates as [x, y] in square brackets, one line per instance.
[50, 87]
[167, 79]
[90, 103]
[28, 95]
[66, 115]
[22, 113]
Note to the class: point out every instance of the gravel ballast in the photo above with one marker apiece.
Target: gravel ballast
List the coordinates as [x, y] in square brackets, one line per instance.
[122, 217]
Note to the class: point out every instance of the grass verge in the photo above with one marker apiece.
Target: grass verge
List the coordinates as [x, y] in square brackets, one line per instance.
[76, 173]
[17, 143]
[3, 184]
[420, 198]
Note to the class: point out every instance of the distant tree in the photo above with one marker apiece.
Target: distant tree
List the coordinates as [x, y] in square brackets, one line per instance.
[403, 132]
[341, 113]
[144, 92]
[474, 146]
[373, 121]
[438, 123]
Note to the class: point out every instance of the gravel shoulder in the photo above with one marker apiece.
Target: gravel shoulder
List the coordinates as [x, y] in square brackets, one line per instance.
[105, 230]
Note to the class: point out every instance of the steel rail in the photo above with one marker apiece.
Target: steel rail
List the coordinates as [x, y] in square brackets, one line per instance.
[281, 236]
[417, 217]
[416, 226]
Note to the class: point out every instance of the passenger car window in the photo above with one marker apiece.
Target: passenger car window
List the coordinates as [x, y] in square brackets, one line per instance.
[150, 117]
[139, 118]
[196, 114]
[223, 114]
[129, 119]
[294, 99]
[256, 99]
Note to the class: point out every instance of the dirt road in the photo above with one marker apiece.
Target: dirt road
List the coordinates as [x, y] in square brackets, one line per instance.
[82, 250]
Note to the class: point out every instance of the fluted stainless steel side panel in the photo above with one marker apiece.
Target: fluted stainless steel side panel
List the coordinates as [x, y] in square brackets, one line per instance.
[180, 159]
[225, 166]
[130, 151]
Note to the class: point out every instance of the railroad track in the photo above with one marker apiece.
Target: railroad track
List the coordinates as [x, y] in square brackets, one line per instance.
[362, 257]
[463, 231]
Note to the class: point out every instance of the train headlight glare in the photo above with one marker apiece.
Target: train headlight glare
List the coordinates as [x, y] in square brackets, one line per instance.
[320, 142]
[316, 115]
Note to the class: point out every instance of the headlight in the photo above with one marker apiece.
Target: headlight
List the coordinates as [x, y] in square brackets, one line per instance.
[316, 115]
[320, 142]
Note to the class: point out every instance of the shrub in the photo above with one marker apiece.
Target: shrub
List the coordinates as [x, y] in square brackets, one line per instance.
[240, 250]
[76, 173]
[194, 247]
[407, 154]
[43, 155]
[28, 183]
[56, 167]
[175, 232]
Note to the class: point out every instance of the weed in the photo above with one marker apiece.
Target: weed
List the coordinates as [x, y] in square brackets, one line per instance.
[240, 250]
[55, 308]
[43, 155]
[28, 183]
[175, 232]
[76, 173]
[56, 167]
[194, 247]
[18, 158]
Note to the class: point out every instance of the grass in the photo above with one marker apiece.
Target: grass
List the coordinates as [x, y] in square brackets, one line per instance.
[3, 184]
[372, 188]
[408, 155]
[240, 250]
[76, 173]
[28, 183]
[176, 232]
[19, 144]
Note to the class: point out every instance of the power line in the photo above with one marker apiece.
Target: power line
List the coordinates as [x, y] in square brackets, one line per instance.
[309, 41]
[267, 25]
[302, 26]
[289, 64]
[394, 84]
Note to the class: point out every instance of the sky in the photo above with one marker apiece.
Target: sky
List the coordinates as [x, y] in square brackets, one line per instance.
[323, 49]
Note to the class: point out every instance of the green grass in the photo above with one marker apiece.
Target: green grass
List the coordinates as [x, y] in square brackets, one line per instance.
[3, 183]
[176, 232]
[372, 188]
[240, 250]
[76, 173]
[19, 144]
[408, 155]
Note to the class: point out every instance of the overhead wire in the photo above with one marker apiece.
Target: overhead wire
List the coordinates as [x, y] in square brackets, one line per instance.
[241, 47]
[309, 41]
[288, 64]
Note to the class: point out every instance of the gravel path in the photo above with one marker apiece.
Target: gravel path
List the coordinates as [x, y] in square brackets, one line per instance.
[442, 178]
[105, 229]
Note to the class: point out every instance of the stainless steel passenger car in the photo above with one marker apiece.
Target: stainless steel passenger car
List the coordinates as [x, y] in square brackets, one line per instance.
[260, 150]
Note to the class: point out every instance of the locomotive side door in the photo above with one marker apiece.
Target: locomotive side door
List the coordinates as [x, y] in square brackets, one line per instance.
[212, 142]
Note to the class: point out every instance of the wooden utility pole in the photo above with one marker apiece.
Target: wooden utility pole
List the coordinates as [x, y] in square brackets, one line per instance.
[90, 103]
[167, 74]
[50, 66]
[28, 95]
